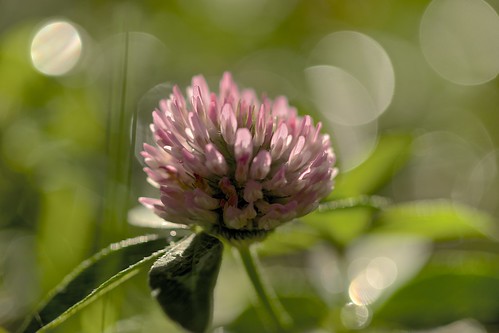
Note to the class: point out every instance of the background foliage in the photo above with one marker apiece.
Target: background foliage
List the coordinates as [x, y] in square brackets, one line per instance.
[420, 255]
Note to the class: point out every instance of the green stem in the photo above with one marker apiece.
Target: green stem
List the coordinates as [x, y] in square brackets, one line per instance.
[274, 311]
[373, 201]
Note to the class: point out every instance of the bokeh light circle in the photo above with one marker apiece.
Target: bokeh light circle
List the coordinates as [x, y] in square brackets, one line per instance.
[365, 60]
[339, 96]
[381, 272]
[354, 144]
[56, 48]
[355, 316]
[460, 40]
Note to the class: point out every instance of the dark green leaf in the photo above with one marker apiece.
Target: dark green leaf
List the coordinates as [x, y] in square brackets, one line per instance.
[438, 219]
[307, 313]
[442, 299]
[95, 276]
[389, 156]
[184, 278]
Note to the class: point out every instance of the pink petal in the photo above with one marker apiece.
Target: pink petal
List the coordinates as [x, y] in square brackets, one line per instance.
[276, 214]
[243, 150]
[155, 205]
[200, 88]
[229, 93]
[298, 155]
[260, 166]
[277, 181]
[178, 97]
[260, 127]
[200, 133]
[213, 110]
[215, 161]
[193, 163]
[228, 124]
[279, 141]
[205, 201]
[150, 203]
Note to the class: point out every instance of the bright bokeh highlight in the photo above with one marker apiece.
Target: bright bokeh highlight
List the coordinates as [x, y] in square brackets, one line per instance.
[56, 48]
[355, 316]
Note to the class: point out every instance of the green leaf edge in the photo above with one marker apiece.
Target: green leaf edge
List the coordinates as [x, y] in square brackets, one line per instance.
[483, 223]
[108, 285]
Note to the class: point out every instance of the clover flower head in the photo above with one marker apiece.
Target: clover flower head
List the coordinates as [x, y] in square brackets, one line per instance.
[234, 164]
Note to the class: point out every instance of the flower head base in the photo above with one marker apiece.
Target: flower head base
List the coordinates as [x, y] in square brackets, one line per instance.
[233, 164]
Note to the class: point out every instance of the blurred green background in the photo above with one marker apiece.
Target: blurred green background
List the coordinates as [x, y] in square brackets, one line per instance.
[407, 89]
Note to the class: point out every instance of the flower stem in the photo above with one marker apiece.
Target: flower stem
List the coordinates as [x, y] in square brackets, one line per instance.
[277, 318]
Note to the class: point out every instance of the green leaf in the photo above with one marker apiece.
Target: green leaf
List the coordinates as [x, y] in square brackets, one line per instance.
[389, 156]
[340, 226]
[442, 299]
[94, 277]
[289, 238]
[460, 281]
[307, 313]
[479, 257]
[438, 219]
[182, 281]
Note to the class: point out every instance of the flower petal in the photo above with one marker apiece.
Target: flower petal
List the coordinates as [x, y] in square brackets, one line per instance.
[228, 124]
[243, 150]
[260, 166]
[215, 161]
